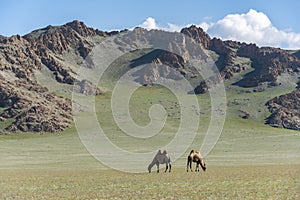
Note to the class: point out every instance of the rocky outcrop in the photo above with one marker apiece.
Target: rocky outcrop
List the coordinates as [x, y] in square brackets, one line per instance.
[160, 64]
[198, 35]
[62, 74]
[60, 50]
[156, 72]
[297, 54]
[285, 111]
[33, 108]
[171, 60]
[83, 30]
[63, 38]
[226, 63]
[205, 85]
[269, 63]
[226, 52]
[16, 56]
[86, 87]
[2, 38]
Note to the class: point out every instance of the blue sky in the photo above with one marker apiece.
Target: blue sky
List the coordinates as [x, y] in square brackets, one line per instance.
[21, 17]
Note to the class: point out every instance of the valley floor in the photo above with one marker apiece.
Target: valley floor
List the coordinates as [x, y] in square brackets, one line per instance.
[218, 182]
[250, 160]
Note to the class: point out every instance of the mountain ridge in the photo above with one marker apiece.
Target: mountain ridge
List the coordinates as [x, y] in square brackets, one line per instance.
[60, 50]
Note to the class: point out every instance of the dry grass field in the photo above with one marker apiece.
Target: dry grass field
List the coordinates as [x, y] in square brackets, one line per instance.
[251, 160]
[218, 182]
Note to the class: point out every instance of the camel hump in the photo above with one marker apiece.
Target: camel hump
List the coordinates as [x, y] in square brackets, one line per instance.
[199, 154]
[162, 152]
[196, 155]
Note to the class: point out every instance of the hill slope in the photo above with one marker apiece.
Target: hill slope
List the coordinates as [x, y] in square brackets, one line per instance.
[38, 72]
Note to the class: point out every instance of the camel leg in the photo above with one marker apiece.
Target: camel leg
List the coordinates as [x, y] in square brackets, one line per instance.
[166, 167]
[197, 167]
[157, 165]
[189, 164]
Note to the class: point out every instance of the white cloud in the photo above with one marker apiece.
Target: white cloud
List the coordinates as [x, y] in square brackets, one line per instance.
[150, 23]
[205, 26]
[251, 27]
[173, 27]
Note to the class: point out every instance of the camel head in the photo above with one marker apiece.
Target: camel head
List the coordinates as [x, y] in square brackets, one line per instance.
[149, 168]
[203, 165]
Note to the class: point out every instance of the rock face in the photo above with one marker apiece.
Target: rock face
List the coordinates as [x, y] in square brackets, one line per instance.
[268, 63]
[58, 51]
[51, 43]
[86, 87]
[34, 108]
[160, 64]
[198, 35]
[31, 106]
[285, 111]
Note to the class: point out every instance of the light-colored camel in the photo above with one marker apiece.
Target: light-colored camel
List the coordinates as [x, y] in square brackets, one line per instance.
[162, 157]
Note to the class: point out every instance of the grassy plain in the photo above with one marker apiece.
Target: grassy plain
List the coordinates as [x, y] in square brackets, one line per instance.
[250, 161]
[218, 182]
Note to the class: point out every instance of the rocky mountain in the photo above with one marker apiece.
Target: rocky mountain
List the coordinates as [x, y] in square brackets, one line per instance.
[34, 67]
[285, 111]
[268, 64]
[23, 97]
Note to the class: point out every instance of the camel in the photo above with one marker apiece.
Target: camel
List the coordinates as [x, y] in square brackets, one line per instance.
[161, 157]
[196, 157]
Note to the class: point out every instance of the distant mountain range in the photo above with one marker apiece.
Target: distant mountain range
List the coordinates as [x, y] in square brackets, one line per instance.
[38, 71]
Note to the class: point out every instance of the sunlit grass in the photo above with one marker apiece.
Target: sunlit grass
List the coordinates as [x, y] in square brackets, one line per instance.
[257, 182]
[251, 160]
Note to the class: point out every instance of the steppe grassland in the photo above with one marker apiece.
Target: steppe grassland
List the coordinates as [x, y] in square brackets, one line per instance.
[250, 161]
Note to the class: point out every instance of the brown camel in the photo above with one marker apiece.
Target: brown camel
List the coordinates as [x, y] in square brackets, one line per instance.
[196, 157]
